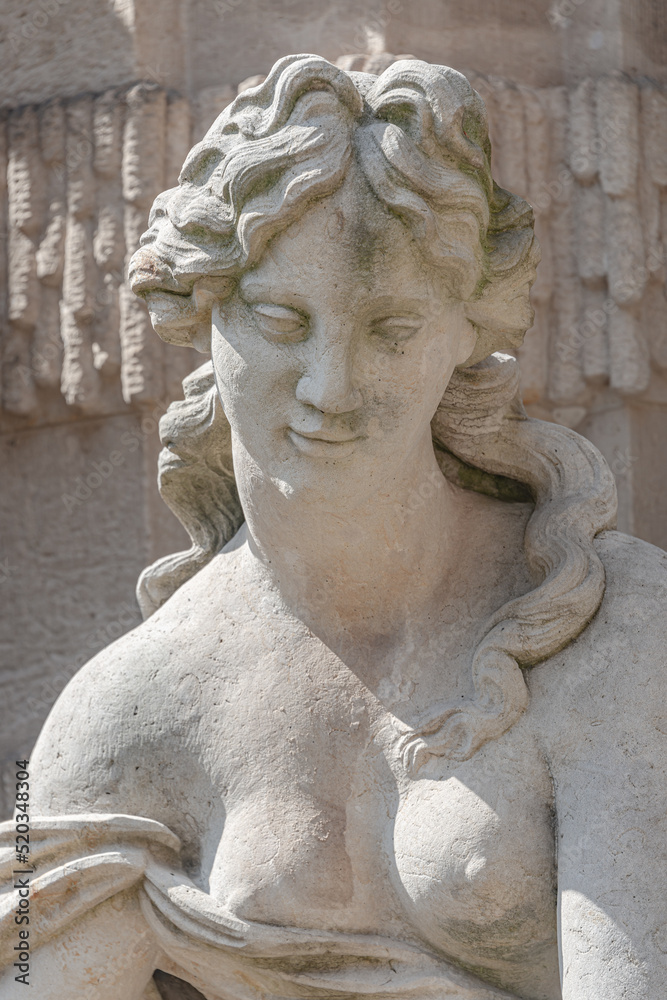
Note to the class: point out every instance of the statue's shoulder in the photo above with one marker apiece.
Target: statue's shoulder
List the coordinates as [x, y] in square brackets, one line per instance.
[632, 620]
[631, 563]
[611, 682]
[127, 720]
[99, 748]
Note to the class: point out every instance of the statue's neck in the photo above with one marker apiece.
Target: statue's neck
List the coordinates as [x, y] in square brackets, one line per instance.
[360, 564]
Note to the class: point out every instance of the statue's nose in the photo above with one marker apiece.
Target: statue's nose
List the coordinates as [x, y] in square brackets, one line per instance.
[327, 383]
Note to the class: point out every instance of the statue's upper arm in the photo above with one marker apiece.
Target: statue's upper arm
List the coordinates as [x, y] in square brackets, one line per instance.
[611, 808]
[611, 877]
[95, 745]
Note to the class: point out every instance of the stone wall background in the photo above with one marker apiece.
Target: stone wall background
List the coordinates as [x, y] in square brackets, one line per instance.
[100, 102]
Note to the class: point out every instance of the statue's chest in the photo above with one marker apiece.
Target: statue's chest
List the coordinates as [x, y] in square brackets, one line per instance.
[474, 860]
[320, 828]
[295, 772]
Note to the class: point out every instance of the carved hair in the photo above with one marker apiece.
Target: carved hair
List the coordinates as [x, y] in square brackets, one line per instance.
[419, 134]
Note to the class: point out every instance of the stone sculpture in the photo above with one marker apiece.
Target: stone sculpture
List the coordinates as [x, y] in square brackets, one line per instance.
[385, 732]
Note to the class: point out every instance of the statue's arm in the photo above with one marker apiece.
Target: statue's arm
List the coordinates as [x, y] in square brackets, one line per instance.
[612, 881]
[91, 839]
[611, 808]
[106, 955]
[598, 710]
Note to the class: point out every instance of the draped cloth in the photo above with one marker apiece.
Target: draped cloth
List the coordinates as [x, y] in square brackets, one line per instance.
[81, 861]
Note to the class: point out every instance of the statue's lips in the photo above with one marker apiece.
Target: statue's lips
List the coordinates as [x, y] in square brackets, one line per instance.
[322, 443]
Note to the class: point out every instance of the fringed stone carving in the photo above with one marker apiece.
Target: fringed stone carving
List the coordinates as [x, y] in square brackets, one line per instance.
[47, 346]
[25, 187]
[80, 378]
[108, 240]
[142, 374]
[3, 241]
[83, 173]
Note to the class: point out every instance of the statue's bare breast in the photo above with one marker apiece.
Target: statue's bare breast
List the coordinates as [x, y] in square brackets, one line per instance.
[317, 824]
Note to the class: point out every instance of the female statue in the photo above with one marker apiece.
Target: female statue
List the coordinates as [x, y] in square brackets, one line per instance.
[391, 728]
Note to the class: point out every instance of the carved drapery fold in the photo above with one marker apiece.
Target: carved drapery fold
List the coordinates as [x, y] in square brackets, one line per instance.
[78, 862]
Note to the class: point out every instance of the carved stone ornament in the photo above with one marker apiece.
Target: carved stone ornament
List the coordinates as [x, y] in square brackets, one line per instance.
[393, 726]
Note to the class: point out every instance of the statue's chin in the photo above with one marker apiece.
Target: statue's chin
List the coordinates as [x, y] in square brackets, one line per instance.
[313, 472]
[313, 486]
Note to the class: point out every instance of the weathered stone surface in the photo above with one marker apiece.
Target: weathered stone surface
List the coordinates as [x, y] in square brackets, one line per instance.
[392, 723]
[199, 56]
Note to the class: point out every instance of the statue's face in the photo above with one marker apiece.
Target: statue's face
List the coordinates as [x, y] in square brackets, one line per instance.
[333, 353]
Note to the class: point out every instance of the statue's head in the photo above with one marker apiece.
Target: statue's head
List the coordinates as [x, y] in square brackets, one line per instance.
[337, 242]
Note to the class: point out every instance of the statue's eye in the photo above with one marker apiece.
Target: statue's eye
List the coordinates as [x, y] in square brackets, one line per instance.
[395, 330]
[280, 323]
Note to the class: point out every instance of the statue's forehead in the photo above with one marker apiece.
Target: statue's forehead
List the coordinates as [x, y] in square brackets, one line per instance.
[349, 230]
[338, 248]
